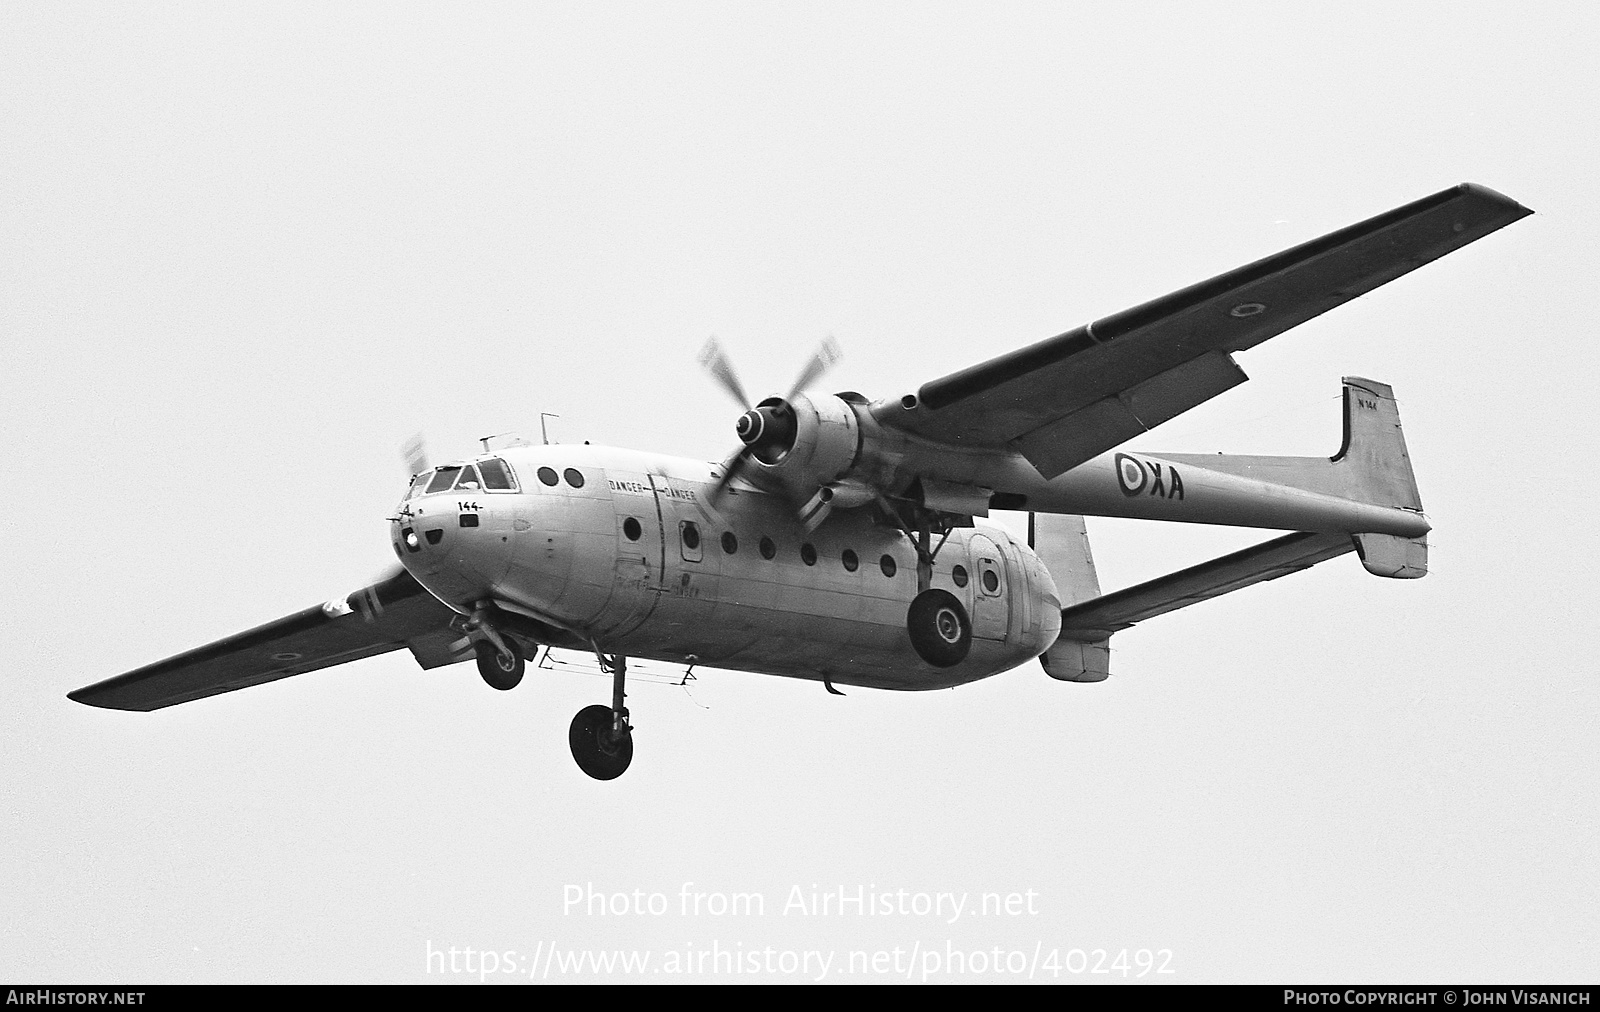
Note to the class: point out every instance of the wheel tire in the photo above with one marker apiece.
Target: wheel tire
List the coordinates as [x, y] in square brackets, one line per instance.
[594, 753]
[940, 631]
[495, 669]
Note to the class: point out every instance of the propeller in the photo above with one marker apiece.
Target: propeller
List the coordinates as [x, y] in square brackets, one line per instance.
[770, 426]
[716, 362]
[415, 452]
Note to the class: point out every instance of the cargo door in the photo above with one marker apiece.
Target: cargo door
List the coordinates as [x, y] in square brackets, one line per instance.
[640, 547]
[991, 595]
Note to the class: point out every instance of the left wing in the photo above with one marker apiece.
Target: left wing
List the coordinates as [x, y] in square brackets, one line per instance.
[1065, 400]
[1098, 618]
[393, 613]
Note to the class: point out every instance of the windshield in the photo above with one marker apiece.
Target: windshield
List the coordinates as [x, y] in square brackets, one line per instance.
[443, 478]
[493, 475]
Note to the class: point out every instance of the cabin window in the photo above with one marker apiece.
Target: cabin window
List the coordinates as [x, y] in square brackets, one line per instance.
[959, 576]
[768, 549]
[689, 534]
[991, 581]
[808, 554]
[631, 529]
[548, 476]
[574, 477]
[730, 544]
[887, 565]
[849, 559]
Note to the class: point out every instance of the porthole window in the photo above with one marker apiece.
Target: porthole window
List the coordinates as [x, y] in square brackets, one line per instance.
[548, 475]
[574, 477]
[691, 535]
[991, 581]
[887, 565]
[768, 549]
[959, 576]
[631, 529]
[730, 544]
[849, 559]
[808, 554]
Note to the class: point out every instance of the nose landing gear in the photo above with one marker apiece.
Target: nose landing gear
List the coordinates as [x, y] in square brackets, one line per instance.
[601, 737]
[499, 661]
[501, 671]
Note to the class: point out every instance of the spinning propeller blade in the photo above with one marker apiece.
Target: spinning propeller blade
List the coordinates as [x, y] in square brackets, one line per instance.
[415, 452]
[716, 363]
[824, 358]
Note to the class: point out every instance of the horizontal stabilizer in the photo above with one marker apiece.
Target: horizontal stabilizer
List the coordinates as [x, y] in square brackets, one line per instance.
[1096, 620]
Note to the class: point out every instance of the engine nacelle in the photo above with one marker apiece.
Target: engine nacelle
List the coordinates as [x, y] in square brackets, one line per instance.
[805, 444]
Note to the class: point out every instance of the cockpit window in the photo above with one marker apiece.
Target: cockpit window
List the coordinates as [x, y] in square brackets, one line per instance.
[494, 474]
[442, 478]
[469, 480]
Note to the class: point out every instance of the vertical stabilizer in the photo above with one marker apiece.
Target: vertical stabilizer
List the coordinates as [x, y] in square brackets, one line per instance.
[1062, 543]
[1373, 458]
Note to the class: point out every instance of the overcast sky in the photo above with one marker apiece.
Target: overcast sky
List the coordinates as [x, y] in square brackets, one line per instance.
[246, 250]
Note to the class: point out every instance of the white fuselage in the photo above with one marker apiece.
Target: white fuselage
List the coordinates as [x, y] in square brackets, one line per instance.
[635, 561]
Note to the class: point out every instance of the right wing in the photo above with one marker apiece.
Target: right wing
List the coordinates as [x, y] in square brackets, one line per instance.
[393, 613]
[1073, 397]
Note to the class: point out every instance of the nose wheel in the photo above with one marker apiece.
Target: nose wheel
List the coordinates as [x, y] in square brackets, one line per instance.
[501, 670]
[600, 736]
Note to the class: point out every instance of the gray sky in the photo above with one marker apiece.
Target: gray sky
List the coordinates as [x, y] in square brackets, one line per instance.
[244, 253]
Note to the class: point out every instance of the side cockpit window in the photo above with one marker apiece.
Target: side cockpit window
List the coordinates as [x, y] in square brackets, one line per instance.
[496, 475]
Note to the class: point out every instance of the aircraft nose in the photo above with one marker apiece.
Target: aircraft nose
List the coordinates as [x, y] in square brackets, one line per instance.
[458, 554]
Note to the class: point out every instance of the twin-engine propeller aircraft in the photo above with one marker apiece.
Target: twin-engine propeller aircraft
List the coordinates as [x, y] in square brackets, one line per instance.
[838, 543]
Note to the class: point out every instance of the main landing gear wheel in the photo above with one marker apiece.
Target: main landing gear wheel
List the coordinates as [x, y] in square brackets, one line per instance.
[501, 671]
[939, 627]
[599, 750]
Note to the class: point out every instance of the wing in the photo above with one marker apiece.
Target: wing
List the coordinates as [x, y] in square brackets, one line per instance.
[1098, 618]
[1070, 398]
[393, 613]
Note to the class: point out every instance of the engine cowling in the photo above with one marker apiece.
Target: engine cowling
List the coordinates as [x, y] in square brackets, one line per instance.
[806, 444]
